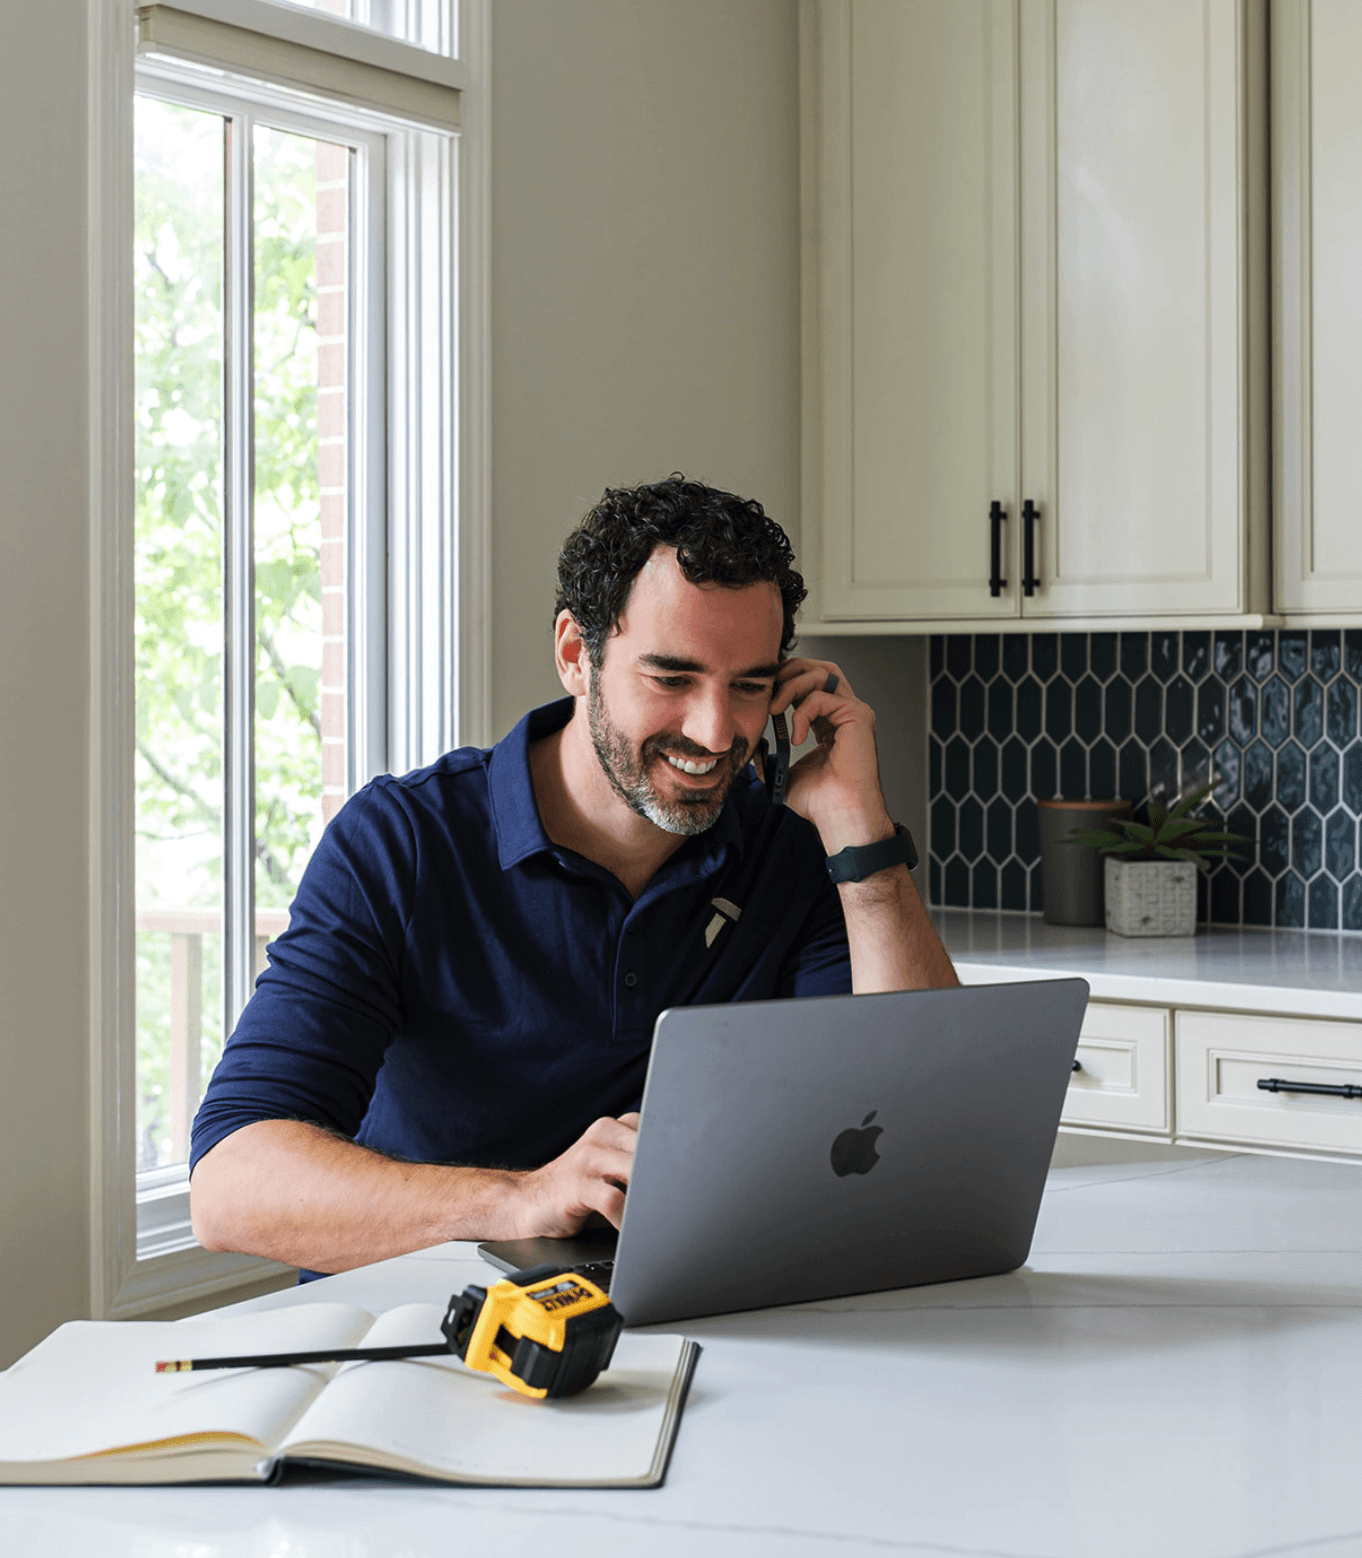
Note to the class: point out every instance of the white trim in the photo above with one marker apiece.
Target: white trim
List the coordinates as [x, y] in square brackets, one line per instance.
[238, 551]
[473, 717]
[394, 48]
[368, 515]
[109, 205]
[218, 29]
[176, 37]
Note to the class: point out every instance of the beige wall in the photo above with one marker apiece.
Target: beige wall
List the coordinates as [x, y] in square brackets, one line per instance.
[43, 679]
[645, 276]
[890, 673]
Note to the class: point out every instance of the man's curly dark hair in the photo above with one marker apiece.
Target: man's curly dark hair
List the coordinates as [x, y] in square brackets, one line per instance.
[719, 539]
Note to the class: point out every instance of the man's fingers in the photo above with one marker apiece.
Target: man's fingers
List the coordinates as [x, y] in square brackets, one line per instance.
[799, 678]
[822, 713]
[817, 697]
[618, 1134]
[591, 1176]
[610, 1205]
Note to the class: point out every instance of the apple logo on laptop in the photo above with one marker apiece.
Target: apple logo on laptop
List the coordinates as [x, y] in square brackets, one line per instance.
[854, 1150]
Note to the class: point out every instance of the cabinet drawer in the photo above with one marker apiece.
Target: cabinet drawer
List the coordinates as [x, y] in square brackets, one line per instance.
[1222, 1058]
[1123, 1053]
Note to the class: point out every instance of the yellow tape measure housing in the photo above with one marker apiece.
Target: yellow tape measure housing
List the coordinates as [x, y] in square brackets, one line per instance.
[546, 1332]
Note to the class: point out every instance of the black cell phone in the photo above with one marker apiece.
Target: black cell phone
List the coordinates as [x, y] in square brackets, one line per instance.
[777, 761]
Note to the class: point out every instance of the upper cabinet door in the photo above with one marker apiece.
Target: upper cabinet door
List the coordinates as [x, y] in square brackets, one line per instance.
[1140, 417]
[913, 128]
[1317, 303]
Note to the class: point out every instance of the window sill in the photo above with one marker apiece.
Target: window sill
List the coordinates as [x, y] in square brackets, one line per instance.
[171, 1268]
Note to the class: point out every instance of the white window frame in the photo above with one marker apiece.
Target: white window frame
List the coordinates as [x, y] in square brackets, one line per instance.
[427, 599]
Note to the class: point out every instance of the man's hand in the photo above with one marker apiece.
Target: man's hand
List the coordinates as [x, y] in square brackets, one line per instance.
[591, 1176]
[837, 785]
[837, 788]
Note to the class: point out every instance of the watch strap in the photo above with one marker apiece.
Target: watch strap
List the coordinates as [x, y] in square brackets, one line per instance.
[858, 861]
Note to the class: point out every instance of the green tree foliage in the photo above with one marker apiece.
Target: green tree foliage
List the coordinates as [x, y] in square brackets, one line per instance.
[179, 547]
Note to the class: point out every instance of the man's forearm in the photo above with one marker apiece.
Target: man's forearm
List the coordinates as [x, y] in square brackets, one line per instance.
[894, 945]
[295, 1193]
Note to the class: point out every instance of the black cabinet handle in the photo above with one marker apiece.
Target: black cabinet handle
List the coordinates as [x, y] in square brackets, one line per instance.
[1078, 1065]
[996, 583]
[1030, 519]
[1326, 1089]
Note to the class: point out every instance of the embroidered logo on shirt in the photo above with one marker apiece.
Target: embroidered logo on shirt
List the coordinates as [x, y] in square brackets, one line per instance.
[727, 911]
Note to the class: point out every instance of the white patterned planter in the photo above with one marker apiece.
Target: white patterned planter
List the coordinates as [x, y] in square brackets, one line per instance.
[1150, 897]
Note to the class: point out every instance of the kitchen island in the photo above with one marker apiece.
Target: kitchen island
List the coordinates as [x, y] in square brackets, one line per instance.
[1174, 1373]
[1309, 973]
[1238, 1038]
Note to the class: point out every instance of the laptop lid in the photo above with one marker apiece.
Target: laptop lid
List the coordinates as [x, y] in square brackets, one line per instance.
[796, 1150]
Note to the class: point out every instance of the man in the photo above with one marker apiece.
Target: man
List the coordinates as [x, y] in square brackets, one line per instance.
[451, 1039]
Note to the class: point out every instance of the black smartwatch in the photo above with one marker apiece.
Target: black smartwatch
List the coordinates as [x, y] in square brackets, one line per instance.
[859, 861]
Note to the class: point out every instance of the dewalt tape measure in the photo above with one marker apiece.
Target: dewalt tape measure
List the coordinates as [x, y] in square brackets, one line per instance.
[546, 1332]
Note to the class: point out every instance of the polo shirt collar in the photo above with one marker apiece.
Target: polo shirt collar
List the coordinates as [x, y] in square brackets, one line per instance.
[520, 833]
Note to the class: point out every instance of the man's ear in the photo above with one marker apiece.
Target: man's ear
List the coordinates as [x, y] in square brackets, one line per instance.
[570, 656]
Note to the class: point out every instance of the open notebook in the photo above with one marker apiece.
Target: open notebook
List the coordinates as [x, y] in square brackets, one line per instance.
[87, 1406]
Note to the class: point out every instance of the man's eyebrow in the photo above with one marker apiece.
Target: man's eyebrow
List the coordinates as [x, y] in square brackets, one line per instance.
[754, 673]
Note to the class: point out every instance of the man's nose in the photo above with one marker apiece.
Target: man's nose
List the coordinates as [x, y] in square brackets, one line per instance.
[709, 720]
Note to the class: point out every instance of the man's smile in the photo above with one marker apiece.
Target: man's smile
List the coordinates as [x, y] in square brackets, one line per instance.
[688, 765]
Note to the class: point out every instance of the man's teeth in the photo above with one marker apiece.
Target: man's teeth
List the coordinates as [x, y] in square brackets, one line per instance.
[688, 767]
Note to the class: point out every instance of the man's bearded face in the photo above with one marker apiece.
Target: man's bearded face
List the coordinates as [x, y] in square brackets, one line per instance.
[646, 776]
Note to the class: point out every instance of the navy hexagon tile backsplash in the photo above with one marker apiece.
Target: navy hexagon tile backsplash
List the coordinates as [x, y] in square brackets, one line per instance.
[1017, 718]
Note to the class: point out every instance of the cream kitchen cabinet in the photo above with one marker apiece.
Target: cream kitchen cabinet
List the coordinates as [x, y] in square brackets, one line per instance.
[1034, 307]
[1251, 1080]
[1237, 1038]
[1317, 305]
[1122, 1078]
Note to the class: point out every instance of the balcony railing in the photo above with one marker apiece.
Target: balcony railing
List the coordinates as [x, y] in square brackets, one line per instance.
[186, 928]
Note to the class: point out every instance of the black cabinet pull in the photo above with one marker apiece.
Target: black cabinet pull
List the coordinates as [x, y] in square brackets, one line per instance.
[1078, 1065]
[1326, 1089]
[1030, 519]
[996, 583]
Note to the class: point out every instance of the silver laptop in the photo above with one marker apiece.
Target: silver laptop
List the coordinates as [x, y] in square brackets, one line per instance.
[806, 1149]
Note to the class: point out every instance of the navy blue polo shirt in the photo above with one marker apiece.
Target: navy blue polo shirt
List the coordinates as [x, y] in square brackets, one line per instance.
[453, 987]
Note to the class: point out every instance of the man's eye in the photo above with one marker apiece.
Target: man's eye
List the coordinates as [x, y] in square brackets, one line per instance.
[754, 689]
[670, 681]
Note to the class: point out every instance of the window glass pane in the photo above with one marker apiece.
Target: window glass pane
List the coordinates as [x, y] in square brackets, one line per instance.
[179, 629]
[301, 466]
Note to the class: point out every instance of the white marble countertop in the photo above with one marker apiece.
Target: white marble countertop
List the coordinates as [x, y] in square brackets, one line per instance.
[1175, 1373]
[1302, 973]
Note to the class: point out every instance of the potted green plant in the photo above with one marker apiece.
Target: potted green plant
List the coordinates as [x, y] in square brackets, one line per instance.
[1150, 867]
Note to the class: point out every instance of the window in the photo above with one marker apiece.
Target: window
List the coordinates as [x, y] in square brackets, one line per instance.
[305, 270]
[259, 501]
